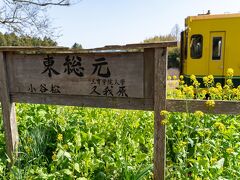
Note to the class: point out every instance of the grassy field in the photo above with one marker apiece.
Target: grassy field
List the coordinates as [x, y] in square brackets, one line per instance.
[70, 142]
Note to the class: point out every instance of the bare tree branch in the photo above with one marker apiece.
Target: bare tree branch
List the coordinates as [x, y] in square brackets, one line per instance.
[45, 3]
[28, 17]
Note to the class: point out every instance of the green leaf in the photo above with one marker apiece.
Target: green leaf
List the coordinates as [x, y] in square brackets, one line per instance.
[67, 155]
[191, 142]
[219, 164]
[67, 172]
[76, 167]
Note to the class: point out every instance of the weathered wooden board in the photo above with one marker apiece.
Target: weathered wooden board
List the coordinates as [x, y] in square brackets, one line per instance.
[160, 57]
[88, 74]
[85, 101]
[192, 105]
[8, 111]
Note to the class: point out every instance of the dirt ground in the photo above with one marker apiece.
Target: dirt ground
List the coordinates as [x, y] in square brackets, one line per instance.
[173, 71]
[172, 84]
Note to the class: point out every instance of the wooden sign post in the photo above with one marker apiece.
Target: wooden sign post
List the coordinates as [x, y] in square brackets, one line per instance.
[159, 105]
[109, 77]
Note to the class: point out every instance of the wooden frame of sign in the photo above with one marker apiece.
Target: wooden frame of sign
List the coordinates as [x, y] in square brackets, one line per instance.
[126, 77]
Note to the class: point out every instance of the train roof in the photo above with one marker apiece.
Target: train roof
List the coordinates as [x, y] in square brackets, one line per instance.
[214, 16]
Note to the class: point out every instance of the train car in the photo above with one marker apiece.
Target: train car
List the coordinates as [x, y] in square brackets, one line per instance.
[210, 44]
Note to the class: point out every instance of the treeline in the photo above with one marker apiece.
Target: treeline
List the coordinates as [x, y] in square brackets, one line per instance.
[11, 39]
[155, 39]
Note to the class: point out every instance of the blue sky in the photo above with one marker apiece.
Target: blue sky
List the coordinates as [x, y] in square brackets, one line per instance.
[95, 23]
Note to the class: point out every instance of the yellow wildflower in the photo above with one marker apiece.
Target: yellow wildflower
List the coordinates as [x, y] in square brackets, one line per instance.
[181, 77]
[174, 77]
[54, 156]
[213, 160]
[193, 77]
[219, 87]
[182, 143]
[27, 149]
[65, 146]
[164, 122]
[181, 82]
[60, 137]
[169, 78]
[210, 103]
[204, 92]
[164, 113]
[218, 84]
[179, 133]
[235, 91]
[210, 79]
[205, 80]
[196, 83]
[229, 82]
[220, 126]
[199, 114]
[226, 87]
[229, 150]
[29, 140]
[230, 72]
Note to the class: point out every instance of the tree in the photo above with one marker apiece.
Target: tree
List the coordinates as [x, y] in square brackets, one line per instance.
[168, 37]
[175, 32]
[77, 46]
[14, 40]
[173, 53]
[28, 16]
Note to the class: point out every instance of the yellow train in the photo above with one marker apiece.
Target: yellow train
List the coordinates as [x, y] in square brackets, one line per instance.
[210, 44]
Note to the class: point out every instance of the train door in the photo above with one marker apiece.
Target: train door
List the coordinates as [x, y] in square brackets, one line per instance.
[216, 61]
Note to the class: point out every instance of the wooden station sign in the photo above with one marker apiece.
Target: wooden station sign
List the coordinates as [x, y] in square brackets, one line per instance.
[109, 77]
[126, 77]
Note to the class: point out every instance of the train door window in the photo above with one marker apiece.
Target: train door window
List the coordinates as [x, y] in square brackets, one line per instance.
[216, 48]
[196, 46]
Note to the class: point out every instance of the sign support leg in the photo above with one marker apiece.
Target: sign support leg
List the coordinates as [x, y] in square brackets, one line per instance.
[8, 112]
[160, 59]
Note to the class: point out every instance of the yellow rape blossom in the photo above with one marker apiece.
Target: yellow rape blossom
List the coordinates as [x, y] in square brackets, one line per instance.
[59, 137]
[164, 122]
[54, 156]
[229, 150]
[65, 146]
[230, 72]
[27, 149]
[199, 114]
[229, 82]
[220, 126]
[205, 80]
[210, 103]
[196, 84]
[210, 79]
[164, 113]
[193, 77]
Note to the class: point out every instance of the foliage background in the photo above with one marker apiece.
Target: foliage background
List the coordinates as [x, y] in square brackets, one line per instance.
[59, 142]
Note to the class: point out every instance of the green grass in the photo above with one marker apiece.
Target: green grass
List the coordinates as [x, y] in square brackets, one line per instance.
[59, 142]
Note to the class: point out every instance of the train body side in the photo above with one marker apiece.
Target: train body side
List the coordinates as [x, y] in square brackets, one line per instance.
[210, 45]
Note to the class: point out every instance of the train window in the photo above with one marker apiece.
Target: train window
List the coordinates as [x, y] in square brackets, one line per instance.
[216, 48]
[196, 46]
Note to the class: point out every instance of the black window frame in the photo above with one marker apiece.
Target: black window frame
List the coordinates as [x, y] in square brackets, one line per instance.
[218, 57]
[199, 55]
